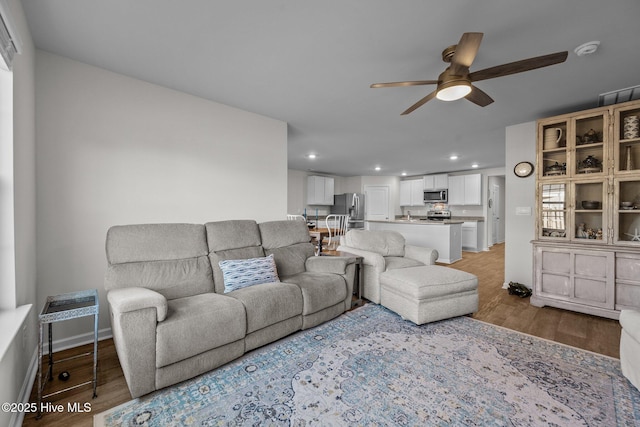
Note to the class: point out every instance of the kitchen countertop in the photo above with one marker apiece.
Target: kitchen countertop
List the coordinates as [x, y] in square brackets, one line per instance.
[422, 221]
[468, 218]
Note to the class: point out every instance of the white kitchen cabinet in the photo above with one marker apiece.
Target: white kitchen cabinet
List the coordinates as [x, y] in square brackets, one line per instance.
[456, 190]
[320, 190]
[436, 182]
[412, 192]
[465, 189]
[405, 193]
[470, 236]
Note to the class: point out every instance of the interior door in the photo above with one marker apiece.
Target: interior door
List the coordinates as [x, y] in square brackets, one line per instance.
[376, 202]
[497, 222]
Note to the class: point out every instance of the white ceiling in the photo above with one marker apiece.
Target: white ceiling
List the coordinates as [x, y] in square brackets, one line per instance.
[310, 63]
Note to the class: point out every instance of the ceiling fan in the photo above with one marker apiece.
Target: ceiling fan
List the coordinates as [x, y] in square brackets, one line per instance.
[455, 82]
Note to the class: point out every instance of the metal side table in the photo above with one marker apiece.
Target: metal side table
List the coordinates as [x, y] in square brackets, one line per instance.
[65, 307]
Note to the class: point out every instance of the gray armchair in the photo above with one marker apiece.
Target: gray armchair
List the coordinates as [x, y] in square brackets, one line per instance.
[383, 251]
[630, 346]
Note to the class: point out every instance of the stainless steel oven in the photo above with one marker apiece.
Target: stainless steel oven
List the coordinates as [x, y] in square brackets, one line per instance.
[436, 196]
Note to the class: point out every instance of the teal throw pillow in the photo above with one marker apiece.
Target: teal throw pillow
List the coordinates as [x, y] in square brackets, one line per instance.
[240, 273]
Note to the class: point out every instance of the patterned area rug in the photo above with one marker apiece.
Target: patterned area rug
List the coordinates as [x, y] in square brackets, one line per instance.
[370, 368]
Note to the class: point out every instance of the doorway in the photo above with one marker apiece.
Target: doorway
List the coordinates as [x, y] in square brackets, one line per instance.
[496, 214]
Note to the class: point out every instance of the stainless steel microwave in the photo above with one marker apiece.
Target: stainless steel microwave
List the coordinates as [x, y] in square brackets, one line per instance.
[436, 196]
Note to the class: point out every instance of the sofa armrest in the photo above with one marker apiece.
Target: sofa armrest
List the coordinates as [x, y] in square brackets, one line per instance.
[125, 300]
[135, 313]
[427, 256]
[369, 258]
[328, 264]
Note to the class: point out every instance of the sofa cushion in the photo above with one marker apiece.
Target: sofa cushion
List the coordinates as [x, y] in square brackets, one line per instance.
[235, 239]
[167, 258]
[319, 290]
[393, 262]
[269, 303]
[155, 242]
[233, 234]
[278, 234]
[292, 259]
[289, 242]
[197, 324]
[241, 273]
[385, 243]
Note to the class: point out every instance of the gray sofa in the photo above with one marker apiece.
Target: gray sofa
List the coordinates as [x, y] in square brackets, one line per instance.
[170, 316]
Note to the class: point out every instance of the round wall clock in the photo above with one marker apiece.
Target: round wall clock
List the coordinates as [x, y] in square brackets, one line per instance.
[523, 169]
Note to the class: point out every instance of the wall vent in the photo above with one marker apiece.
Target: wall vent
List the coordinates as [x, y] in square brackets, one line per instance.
[617, 96]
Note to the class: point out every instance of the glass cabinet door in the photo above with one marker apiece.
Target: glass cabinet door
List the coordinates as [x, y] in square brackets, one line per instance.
[589, 211]
[627, 211]
[627, 140]
[589, 134]
[553, 211]
[552, 144]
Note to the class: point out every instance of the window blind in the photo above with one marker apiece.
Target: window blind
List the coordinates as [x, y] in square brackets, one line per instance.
[8, 47]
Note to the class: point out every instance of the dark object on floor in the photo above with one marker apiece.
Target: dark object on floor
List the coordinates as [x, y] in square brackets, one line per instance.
[64, 376]
[519, 289]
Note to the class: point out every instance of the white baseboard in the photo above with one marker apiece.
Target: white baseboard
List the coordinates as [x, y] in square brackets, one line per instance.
[77, 340]
[25, 391]
[58, 345]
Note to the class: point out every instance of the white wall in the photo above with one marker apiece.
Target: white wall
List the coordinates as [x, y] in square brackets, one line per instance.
[115, 150]
[520, 229]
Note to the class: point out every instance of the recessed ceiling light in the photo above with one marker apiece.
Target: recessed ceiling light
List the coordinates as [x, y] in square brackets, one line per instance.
[453, 157]
[404, 174]
[378, 168]
[475, 165]
[311, 156]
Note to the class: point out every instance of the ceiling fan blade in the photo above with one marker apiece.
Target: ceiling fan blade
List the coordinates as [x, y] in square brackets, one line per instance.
[410, 83]
[518, 66]
[420, 103]
[479, 97]
[466, 52]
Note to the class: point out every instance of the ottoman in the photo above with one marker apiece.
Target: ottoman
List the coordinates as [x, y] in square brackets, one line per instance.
[429, 292]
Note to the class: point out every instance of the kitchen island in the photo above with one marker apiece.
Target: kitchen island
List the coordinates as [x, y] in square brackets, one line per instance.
[443, 236]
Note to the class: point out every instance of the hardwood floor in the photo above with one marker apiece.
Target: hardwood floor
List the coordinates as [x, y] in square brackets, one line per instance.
[496, 306]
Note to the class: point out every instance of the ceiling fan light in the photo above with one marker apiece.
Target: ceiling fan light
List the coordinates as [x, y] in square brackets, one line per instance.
[450, 91]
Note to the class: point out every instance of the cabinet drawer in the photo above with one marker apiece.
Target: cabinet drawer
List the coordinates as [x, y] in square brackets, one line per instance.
[590, 291]
[593, 266]
[556, 262]
[555, 285]
[627, 296]
[628, 268]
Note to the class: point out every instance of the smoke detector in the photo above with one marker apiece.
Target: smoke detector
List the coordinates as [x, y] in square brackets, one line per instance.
[587, 48]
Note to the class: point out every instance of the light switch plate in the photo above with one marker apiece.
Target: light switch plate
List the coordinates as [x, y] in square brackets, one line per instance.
[523, 210]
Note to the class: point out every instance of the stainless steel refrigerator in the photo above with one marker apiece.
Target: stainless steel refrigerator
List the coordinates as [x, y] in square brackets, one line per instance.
[351, 204]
